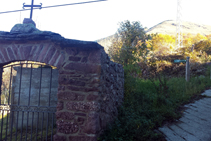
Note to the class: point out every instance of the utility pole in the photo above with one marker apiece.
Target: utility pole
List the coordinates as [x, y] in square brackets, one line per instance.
[179, 36]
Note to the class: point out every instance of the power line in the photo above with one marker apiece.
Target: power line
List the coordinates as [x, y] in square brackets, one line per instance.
[53, 6]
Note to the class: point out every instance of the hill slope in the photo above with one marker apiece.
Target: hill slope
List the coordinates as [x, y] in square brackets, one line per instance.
[166, 27]
[169, 27]
[106, 42]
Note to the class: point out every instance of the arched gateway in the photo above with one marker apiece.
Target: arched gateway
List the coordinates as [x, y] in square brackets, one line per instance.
[48, 73]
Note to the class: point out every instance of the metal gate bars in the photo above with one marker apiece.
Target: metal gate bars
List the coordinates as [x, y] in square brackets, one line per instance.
[28, 101]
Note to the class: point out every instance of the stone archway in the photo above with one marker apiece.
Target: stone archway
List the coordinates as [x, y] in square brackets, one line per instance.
[90, 86]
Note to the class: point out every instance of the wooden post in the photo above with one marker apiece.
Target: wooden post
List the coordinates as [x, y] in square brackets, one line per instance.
[187, 75]
[210, 72]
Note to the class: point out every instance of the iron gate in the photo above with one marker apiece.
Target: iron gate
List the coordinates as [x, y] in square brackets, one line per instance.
[28, 101]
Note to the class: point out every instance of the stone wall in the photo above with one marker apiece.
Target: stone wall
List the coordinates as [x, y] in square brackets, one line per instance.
[90, 86]
[112, 89]
[90, 92]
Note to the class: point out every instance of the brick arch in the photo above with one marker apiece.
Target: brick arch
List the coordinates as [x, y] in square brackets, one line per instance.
[43, 52]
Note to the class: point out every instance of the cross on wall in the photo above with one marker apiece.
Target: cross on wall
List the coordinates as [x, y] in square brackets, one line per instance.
[32, 6]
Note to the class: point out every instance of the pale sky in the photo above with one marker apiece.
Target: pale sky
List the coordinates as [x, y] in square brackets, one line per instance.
[98, 20]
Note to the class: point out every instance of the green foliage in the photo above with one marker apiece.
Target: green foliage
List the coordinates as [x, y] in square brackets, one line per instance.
[128, 45]
[132, 70]
[146, 107]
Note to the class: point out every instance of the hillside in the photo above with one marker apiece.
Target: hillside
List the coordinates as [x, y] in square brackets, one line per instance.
[106, 42]
[169, 27]
[166, 27]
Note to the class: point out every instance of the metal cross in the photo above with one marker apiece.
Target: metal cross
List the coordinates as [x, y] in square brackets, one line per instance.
[32, 6]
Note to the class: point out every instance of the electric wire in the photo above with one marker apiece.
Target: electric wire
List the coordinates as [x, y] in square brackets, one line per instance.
[53, 6]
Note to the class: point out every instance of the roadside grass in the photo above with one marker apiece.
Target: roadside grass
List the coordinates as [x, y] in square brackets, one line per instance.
[147, 105]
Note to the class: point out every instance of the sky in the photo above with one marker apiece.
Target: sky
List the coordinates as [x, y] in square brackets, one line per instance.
[97, 20]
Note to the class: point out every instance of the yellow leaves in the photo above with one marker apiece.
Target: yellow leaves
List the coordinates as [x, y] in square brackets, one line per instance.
[163, 62]
[162, 43]
[197, 38]
[165, 44]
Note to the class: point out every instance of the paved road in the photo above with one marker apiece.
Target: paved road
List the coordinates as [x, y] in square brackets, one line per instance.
[194, 125]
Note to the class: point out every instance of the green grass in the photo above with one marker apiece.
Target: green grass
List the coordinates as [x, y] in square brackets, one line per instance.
[148, 105]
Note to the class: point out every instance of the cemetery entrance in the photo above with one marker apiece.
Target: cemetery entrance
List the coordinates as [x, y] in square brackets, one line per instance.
[28, 101]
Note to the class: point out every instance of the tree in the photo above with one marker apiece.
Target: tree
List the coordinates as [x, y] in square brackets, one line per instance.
[128, 46]
[161, 43]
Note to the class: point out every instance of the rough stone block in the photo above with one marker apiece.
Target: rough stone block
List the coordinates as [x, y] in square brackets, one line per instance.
[82, 138]
[24, 28]
[75, 59]
[91, 89]
[67, 127]
[73, 88]
[92, 97]
[95, 80]
[84, 53]
[83, 89]
[92, 125]
[76, 82]
[83, 106]
[75, 75]
[80, 120]
[84, 59]
[65, 115]
[61, 88]
[70, 96]
[66, 72]
[60, 106]
[72, 51]
[85, 68]
[29, 21]
[63, 80]
[59, 138]
[95, 57]
[80, 114]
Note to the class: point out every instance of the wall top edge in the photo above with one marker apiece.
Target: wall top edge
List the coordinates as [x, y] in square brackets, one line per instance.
[8, 37]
